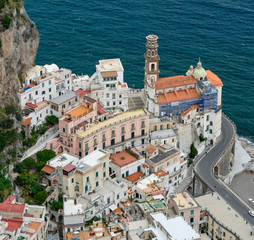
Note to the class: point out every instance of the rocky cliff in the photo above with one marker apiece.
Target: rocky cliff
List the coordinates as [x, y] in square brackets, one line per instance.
[19, 40]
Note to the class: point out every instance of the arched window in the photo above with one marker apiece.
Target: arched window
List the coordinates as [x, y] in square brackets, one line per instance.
[152, 53]
[152, 67]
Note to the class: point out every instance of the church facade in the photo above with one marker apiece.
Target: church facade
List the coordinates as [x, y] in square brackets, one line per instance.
[191, 98]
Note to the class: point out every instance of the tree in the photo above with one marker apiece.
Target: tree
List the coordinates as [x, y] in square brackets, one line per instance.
[194, 151]
[201, 138]
[52, 119]
[6, 21]
[40, 197]
[43, 157]
[27, 164]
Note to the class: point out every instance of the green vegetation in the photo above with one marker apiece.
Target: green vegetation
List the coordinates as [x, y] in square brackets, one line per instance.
[42, 128]
[201, 138]
[56, 205]
[7, 123]
[43, 157]
[194, 151]
[0, 44]
[5, 187]
[27, 164]
[29, 142]
[52, 119]
[7, 138]
[33, 192]
[94, 219]
[6, 21]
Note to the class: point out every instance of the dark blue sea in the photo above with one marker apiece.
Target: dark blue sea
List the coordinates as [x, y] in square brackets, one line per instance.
[76, 34]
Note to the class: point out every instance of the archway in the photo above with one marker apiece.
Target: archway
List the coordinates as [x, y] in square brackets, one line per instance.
[60, 149]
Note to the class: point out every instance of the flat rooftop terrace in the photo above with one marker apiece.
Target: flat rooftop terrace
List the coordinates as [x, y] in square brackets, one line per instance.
[163, 155]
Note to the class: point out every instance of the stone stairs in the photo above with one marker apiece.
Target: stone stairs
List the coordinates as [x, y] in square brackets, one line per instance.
[136, 100]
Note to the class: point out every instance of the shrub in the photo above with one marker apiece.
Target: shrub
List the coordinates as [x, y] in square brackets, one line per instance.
[194, 151]
[7, 123]
[6, 21]
[18, 116]
[42, 129]
[30, 141]
[43, 157]
[52, 119]
[40, 197]
[10, 109]
[201, 138]
[27, 164]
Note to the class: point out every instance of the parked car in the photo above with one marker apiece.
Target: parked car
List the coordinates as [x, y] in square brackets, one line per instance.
[251, 213]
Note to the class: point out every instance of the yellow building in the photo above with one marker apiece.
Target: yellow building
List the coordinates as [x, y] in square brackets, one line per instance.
[223, 221]
[156, 124]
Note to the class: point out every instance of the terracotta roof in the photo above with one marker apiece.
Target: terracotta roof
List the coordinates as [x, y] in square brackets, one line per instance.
[10, 199]
[109, 74]
[203, 214]
[69, 168]
[48, 169]
[214, 79]
[81, 93]
[34, 226]
[55, 181]
[12, 208]
[135, 177]
[31, 105]
[178, 96]
[151, 148]
[184, 113]
[123, 85]
[161, 173]
[122, 158]
[194, 106]
[145, 166]
[79, 112]
[174, 81]
[27, 122]
[12, 224]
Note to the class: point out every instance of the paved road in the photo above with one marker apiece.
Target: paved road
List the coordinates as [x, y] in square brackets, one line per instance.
[205, 170]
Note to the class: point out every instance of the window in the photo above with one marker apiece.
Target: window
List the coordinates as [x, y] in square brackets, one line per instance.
[97, 184]
[153, 65]
[87, 179]
[143, 132]
[211, 131]
[127, 173]
[76, 99]
[107, 95]
[168, 126]
[50, 97]
[113, 96]
[80, 154]
[72, 180]
[155, 128]
[123, 175]
[122, 130]
[120, 96]
[69, 103]
[49, 82]
[79, 145]
[191, 212]
[123, 138]
[143, 124]
[103, 145]
[132, 134]
[139, 168]
[167, 163]
[108, 201]
[97, 174]
[182, 214]
[142, 141]
[104, 174]
[104, 164]
[42, 84]
[133, 126]
[113, 133]
[49, 89]
[36, 92]
[161, 127]
[117, 197]
[63, 106]
[211, 123]
[124, 194]
[191, 220]
[108, 104]
[120, 103]
[114, 103]
[224, 234]
[91, 120]
[43, 92]
[64, 130]
[207, 118]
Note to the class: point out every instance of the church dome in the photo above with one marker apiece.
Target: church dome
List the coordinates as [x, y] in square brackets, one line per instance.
[199, 72]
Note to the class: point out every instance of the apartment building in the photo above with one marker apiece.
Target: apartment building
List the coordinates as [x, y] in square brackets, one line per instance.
[108, 86]
[185, 206]
[128, 129]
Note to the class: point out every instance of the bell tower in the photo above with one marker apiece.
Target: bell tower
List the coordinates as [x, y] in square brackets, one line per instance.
[151, 74]
[151, 60]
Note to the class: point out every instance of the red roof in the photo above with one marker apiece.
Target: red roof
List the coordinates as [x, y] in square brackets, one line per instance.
[81, 93]
[31, 105]
[10, 199]
[69, 168]
[47, 169]
[100, 109]
[161, 173]
[55, 181]
[135, 176]
[27, 122]
[12, 208]
[13, 225]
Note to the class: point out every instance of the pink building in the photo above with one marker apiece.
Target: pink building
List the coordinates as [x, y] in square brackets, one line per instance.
[80, 134]
[185, 206]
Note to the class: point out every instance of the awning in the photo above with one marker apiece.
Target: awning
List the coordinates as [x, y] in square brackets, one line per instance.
[113, 207]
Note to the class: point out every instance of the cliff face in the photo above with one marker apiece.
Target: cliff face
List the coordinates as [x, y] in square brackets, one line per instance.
[18, 46]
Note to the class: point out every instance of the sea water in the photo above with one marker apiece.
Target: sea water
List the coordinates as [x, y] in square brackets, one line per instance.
[76, 34]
